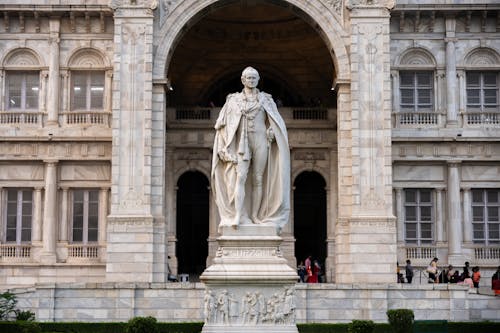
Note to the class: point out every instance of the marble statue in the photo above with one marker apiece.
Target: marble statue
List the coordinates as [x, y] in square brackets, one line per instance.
[251, 159]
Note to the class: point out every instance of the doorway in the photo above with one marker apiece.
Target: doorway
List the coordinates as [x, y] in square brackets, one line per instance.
[192, 223]
[310, 216]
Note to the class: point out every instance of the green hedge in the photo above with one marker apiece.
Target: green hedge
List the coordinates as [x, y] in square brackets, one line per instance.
[13, 327]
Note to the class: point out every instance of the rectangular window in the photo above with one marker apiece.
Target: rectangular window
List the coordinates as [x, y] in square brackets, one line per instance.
[87, 90]
[85, 216]
[418, 216]
[416, 90]
[19, 216]
[21, 90]
[482, 91]
[485, 216]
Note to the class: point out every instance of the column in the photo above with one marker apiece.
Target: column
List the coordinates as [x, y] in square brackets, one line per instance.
[395, 91]
[103, 219]
[451, 73]
[48, 255]
[440, 76]
[66, 96]
[2, 89]
[54, 76]
[36, 229]
[43, 91]
[439, 216]
[63, 225]
[468, 230]
[455, 257]
[332, 217]
[400, 216]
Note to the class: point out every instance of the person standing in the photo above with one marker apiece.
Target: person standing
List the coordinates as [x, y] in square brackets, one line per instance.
[476, 276]
[408, 271]
[432, 271]
[495, 282]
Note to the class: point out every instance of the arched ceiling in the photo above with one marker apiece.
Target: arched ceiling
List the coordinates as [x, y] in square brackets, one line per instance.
[292, 59]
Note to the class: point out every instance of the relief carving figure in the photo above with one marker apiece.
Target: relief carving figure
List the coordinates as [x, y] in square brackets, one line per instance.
[223, 308]
[210, 306]
[251, 159]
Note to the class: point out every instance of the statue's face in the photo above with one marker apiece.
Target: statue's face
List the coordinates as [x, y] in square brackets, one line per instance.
[250, 80]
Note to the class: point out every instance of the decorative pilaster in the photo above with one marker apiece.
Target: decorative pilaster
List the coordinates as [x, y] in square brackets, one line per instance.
[370, 229]
[54, 76]
[63, 225]
[439, 216]
[451, 73]
[36, 228]
[467, 205]
[455, 256]
[400, 216]
[49, 235]
[130, 232]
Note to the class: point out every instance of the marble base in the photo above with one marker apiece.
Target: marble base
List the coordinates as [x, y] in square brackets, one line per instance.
[249, 287]
[250, 329]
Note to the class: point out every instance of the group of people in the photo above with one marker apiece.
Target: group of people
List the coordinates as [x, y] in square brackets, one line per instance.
[470, 277]
[310, 271]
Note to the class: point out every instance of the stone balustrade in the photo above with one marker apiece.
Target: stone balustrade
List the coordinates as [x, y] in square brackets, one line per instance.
[27, 118]
[15, 252]
[473, 119]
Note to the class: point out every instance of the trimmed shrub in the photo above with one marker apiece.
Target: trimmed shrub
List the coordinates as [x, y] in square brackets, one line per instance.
[82, 327]
[361, 326]
[142, 325]
[28, 327]
[401, 320]
[25, 315]
[322, 328]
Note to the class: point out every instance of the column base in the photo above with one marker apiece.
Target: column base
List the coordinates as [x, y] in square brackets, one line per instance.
[457, 260]
[48, 258]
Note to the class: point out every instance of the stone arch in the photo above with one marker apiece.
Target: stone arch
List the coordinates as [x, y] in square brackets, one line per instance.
[22, 58]
[416, 57]
[189, 168]
[482, 57]
[88, 58]
[299, 170]
[326, 23]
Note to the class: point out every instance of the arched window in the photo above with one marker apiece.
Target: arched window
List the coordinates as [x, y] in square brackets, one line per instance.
[22, 81]
[416, 81]
[88, 88]
[414, 87]
[482, 67]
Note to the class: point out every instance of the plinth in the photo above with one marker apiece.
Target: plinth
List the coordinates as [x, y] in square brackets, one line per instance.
[249, 287]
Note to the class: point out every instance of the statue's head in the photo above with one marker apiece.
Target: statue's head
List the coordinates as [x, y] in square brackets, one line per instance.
[250, 77]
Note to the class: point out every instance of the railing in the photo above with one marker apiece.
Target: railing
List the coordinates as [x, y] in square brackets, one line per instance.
[487, 253]
[310, 114]
[193, 113]
[20, 117]
[481, 118]
[416, 119]
[87, 118]
[79, 251]
[15, 251]
[420, 252]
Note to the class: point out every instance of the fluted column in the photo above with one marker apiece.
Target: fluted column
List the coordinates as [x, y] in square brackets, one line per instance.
[439, 216]
[54, 76]
[400, 216]
[468, 233]
[48, 255]
[451, 72]
[454, 215]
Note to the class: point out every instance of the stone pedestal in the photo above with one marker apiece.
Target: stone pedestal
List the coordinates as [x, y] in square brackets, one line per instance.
[249, 286]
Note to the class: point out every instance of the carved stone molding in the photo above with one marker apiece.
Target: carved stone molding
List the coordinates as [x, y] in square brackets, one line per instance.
[130, 220]
[389, 4]
[336, 5]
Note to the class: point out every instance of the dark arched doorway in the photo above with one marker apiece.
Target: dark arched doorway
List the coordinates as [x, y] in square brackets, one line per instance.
[310, 216]
[192, 223]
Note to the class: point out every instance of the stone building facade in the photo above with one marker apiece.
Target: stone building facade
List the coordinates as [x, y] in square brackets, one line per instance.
[107, 111]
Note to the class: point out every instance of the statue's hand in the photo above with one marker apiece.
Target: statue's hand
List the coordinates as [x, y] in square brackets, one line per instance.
[270, 135]
[227, 157]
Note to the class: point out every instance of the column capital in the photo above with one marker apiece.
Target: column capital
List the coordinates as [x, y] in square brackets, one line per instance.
[51, 161]
[64, 187]
[38, 188]
[453, 163]
[450, 40]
